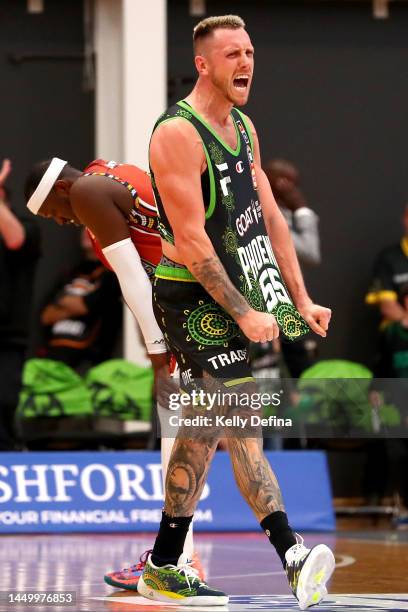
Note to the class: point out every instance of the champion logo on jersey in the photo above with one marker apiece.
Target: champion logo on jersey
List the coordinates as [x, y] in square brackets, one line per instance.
[239, 167]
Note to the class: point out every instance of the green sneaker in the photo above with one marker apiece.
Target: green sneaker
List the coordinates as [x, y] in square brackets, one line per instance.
[178, 584]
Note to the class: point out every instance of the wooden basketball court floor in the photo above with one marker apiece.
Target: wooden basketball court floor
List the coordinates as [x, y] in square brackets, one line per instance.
[371, 572]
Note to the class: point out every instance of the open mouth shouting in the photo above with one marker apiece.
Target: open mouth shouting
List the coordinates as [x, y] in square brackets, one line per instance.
[241, 82]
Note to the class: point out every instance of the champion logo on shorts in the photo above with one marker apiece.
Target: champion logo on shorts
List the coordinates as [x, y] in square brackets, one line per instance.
[173, 525]
[268, 533]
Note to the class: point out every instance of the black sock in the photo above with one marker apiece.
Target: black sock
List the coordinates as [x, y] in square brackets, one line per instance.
[280, 534]
[169, 543]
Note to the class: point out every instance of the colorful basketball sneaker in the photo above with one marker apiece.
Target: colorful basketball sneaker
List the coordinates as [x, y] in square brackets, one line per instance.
[308, 570]
[128, 577]
[178, 584]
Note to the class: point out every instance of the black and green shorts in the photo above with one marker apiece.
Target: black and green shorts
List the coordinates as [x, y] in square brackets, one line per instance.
[202, 336]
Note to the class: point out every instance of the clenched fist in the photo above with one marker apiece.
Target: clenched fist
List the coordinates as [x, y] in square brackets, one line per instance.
[317, 317]
[258, 326]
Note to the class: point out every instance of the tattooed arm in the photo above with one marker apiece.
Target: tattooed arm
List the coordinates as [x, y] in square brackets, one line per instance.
[177, 160]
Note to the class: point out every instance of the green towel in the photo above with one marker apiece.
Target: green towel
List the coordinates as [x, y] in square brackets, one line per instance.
[121, 389]
[52, 389]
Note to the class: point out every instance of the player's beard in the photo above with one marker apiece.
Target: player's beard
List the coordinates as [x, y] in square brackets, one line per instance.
[222, 86]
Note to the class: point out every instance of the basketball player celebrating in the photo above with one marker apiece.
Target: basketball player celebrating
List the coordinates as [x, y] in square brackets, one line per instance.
[218, 281]
[116, 204]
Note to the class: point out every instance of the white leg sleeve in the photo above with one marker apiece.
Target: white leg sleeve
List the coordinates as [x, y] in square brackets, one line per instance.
[137, 291]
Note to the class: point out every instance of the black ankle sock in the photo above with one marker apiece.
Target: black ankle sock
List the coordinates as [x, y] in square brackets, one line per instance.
[169, 543]
[280, 534]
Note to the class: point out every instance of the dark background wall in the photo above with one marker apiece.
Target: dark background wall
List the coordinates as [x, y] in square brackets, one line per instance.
[45, 111]
[331, 94]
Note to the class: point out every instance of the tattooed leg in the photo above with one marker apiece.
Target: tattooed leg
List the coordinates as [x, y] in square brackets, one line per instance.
[187, 473]
[190, 460]
[254, 476]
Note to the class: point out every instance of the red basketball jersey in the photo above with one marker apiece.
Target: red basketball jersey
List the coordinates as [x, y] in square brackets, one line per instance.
[142, 219]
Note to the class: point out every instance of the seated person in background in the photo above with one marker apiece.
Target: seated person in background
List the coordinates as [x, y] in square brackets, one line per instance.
[303, 223]
[19, 253]
[82, 320]
[390, 275]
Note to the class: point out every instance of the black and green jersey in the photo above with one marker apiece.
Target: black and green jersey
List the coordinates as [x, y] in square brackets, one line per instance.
[234, 219]
[390, 280]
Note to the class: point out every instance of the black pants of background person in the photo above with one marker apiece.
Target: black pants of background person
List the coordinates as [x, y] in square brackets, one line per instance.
[11, 367]
[297, 357]
[385, 471]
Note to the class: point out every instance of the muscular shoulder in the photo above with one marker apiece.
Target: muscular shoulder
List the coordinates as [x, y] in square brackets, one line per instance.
[174, 140]
[89, 187]
[88, 191]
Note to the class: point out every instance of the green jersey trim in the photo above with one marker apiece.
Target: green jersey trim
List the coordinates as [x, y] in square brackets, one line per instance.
[239, 381]
[191, 110]
[175, 274]
[213, 194]
[247, 127]
[164, 233]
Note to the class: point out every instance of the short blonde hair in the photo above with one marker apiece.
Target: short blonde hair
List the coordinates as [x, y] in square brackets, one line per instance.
[207, 26]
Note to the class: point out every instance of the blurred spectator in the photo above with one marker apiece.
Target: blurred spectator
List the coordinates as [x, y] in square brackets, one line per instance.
[393, 346]
[390, 275]
[303, 224]
[82, 320]
[19, 252]
[389, 292]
